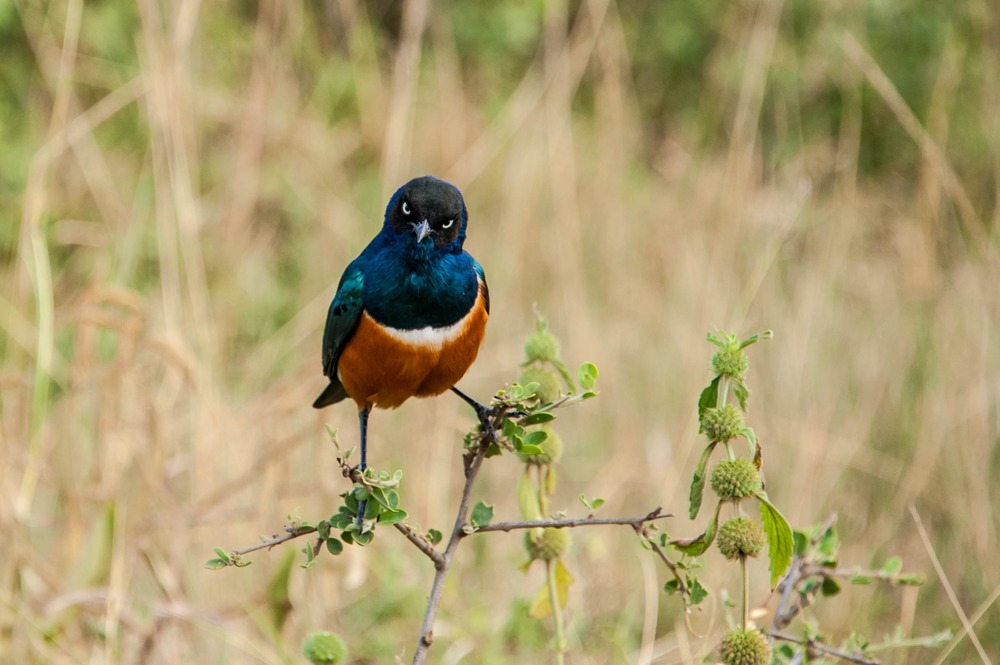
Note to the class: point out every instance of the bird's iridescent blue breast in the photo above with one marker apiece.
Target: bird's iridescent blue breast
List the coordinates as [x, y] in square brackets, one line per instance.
[407, 292]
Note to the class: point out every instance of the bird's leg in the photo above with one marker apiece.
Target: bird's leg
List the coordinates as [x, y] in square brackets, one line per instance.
[483, 412]
[363, 417]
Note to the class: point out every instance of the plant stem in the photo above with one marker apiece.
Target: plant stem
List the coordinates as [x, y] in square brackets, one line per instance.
[557, 617]
[746, 592]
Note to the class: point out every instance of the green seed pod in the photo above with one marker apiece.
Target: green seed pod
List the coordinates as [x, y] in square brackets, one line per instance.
[548, 389]
[731, 361]
[733, 480]
[548, 544]
[324, 648]
[722, 424]
[745, 647]
[740, 536]
[541, 345]
[552, 448]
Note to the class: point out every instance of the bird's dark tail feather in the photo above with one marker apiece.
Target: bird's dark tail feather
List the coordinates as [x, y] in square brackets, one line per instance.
[332, 394]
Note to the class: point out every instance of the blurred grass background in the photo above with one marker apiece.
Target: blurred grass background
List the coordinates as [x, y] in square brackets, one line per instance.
[182, 183]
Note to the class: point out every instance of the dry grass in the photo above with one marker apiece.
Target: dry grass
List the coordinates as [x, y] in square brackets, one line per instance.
[163, 322]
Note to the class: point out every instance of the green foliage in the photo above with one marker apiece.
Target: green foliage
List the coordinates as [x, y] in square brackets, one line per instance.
[482, 514]
[324, 648]
[746, 646]
[779, 538]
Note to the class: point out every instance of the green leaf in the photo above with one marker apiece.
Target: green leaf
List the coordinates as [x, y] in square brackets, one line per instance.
[830, 587]
[434, 536]
[709, 399]
[672, 586]
[742, 394]
[535, 438]
[779, 538]
[699, 544]
[801, 540]
[698, 481]
[379, 494]
[510, 428]
[539, 418]
[388, 517]
[914, 579]
[530, 388]
[334, 546]
[215, 564]
[587, 375]
[364, 538]
[698, 592]
[482, 514]
[767, 334]
[528, 449]
[893, 566]
[862, 579]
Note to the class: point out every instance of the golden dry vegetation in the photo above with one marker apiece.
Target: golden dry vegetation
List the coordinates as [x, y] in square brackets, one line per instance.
[193, 177]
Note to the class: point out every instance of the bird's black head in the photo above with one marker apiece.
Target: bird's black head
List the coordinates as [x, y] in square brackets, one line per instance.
[430, 210]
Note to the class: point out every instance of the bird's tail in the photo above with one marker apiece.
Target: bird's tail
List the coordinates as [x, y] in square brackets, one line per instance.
[332, 394]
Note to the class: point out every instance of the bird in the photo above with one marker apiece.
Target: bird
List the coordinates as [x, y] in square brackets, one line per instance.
[410, 312]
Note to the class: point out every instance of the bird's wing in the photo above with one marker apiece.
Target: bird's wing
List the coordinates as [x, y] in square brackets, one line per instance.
[342, 318]
[481, 276]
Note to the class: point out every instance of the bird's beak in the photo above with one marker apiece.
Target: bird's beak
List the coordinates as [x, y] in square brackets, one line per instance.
[422, 230]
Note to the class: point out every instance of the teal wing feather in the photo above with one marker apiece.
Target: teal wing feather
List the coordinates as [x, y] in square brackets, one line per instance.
[341, 320]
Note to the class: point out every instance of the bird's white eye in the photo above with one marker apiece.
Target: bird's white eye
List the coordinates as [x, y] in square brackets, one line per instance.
[406, 208]
[448, 224]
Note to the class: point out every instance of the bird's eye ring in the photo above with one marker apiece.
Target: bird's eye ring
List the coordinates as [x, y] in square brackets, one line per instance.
[448, 224]
[406, 208]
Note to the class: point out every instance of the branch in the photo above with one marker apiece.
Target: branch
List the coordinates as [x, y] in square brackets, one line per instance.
[472, 466]
[421, 544]
[635, 522]
[291, 532]
[819, 646]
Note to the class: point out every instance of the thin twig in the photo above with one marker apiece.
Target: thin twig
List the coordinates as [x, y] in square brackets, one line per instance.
[421, 543]
[825, 648]
[681, 586]
[291, 532]
[472, 467]
[634, 522]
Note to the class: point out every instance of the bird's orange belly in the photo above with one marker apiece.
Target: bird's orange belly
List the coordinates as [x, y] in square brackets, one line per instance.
[384, 367]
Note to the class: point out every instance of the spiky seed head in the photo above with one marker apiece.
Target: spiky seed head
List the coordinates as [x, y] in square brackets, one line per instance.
[731, 361]
[541, 346]
[324, 648]
[722, 424]
[552, 448]
[546, 544]
[733, 480]
[745, 647]
[740, 536]
[548, 389]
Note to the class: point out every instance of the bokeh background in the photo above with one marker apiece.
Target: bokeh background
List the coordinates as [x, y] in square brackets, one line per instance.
[181, 184]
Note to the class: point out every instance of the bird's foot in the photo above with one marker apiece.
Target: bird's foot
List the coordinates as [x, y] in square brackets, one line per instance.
[484, 414]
